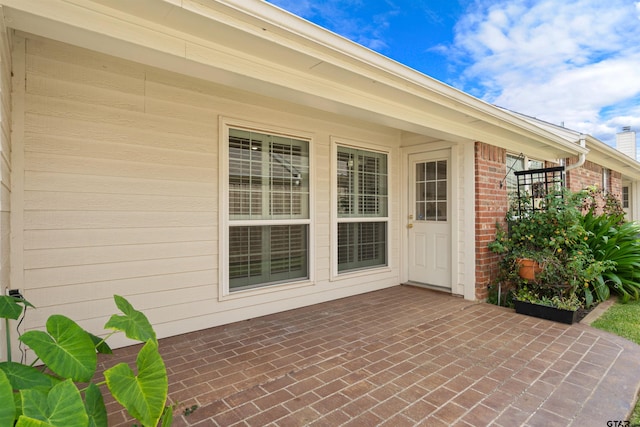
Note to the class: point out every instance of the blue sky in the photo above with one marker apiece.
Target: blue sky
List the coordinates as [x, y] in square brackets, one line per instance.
[571, 62]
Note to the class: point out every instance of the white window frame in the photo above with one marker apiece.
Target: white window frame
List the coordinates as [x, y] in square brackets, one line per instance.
[224, 292]
[625, 196]
[606, 180]
[335, 219]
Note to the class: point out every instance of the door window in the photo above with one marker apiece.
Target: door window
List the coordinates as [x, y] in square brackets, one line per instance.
[431, 191]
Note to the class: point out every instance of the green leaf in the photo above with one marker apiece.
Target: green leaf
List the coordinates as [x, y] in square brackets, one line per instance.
[67, 350]
[61, 407]
[134, 323]
[144, 395]
[8, 407]
[30, 422]
[10, 308]
[588, 297]
[17, 400]
[100, 344]
[22, 377]
[94, 404]
[167, 417]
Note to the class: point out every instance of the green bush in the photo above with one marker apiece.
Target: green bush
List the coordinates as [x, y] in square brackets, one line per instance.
[611, 239]
[61, 392]
[553, 235]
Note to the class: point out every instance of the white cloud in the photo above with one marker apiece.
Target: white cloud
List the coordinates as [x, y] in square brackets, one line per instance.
[568, 61]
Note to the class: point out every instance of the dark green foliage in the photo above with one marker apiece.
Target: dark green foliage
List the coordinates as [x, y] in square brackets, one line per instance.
[554, 236]
[54, 396]
[612, 239]
[583, 243]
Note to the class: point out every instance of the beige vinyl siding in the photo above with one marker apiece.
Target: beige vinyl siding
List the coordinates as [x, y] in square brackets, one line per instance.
[120, 188]
[121, 184]
[5, 168]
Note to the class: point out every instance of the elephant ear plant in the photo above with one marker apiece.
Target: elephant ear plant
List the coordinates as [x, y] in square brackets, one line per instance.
[60, 391]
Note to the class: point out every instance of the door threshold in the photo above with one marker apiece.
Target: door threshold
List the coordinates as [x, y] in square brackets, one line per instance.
[429, 286]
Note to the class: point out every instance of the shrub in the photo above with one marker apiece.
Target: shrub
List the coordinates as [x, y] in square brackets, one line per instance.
[61, 392]
[614, 240]
[553, 235]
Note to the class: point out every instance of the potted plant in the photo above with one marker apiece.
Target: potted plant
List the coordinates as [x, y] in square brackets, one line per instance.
[556, 308]
[529, 268]
[563, 267]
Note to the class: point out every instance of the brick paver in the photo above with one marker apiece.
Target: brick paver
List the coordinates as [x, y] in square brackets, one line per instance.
[399, 356]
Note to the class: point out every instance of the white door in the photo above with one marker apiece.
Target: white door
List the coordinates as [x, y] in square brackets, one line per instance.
[428, 222]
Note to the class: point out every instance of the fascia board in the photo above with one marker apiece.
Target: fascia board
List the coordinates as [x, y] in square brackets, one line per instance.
[611, 158]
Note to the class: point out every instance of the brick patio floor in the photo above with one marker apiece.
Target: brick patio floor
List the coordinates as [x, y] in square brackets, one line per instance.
[402, 356]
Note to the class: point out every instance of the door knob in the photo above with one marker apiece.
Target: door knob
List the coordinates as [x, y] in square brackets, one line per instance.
[410, 226]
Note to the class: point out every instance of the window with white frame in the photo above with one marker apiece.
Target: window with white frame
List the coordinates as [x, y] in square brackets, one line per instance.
[606, 180]
[625, 197]
[362, 197]
[515, 164]
[268, 209]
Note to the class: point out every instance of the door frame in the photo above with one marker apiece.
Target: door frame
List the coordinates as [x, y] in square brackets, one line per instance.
[457, 288]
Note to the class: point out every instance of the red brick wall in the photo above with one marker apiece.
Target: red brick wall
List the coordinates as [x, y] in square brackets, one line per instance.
[590, 174]
[491, 206]
[587, 175]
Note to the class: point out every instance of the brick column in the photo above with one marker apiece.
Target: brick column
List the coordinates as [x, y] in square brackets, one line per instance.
[491, 207]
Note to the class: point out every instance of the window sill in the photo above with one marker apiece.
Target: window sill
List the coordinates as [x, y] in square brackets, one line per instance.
[359, 273]
[248, 293]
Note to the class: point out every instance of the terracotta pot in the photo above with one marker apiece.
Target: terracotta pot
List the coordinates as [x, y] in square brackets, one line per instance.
[528, 268]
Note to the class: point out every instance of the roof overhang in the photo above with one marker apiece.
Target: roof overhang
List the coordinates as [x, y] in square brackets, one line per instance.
[256, 47]
[609, 157]
[599, 152]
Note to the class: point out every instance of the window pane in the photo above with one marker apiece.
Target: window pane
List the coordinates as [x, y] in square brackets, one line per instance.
[536, 164]
[625, 197]
[514, 164]
[441, 191]
[441, 168]
[362, 245]
[362, 192]
[431, 171]
[346, 202]
[431, 191]
[441, 211]
[268, 176]
[431, 211]
[362, 183]
[431, 187]
[421, 211]
[245, 254]
[268, 179]
[421, 192]
[421, 174]
[263, 255]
